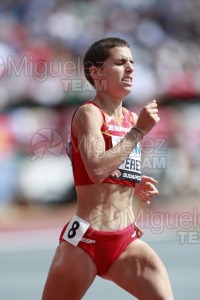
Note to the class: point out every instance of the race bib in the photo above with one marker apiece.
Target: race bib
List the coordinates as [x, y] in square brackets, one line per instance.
[130, 169]
[75, 230]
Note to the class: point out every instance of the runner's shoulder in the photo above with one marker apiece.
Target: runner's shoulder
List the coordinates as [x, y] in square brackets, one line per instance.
[87, 112]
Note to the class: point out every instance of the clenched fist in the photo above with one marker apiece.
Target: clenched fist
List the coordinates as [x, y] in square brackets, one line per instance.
[148, 117]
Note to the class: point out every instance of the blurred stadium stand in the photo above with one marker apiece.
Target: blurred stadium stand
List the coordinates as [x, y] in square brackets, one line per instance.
[41, 83]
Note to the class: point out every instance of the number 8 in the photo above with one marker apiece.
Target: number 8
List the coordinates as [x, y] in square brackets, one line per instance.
[72, 231]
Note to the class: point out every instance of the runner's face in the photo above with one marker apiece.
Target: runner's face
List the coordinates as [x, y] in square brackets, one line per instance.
[118, 72]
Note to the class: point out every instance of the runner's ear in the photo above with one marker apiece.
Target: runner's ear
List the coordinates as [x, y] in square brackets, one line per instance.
[94, 72]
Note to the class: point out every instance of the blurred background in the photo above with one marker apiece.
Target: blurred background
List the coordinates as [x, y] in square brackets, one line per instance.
[42, 44]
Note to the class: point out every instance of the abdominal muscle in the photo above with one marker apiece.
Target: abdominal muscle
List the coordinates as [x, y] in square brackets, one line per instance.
[107, 207]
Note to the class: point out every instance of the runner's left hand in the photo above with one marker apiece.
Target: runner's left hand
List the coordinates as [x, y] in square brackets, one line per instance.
[146, 190]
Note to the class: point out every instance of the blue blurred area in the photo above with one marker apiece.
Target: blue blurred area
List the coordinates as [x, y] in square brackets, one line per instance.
[41, 83]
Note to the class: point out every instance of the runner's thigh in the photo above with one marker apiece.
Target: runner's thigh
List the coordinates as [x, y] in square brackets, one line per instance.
[71, 273]
[140, 272]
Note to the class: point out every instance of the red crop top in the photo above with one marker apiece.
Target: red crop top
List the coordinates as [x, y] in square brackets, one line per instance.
[113, 130]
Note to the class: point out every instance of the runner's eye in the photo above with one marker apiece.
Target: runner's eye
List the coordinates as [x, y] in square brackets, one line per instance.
[119, 63]
[123, 62]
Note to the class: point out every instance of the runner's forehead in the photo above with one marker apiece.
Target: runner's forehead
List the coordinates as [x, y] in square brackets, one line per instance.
[121, 53]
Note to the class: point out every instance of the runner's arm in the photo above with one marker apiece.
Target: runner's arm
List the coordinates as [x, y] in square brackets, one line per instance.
[100, 163]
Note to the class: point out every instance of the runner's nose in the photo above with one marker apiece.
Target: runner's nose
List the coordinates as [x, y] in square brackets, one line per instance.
[129, 67]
